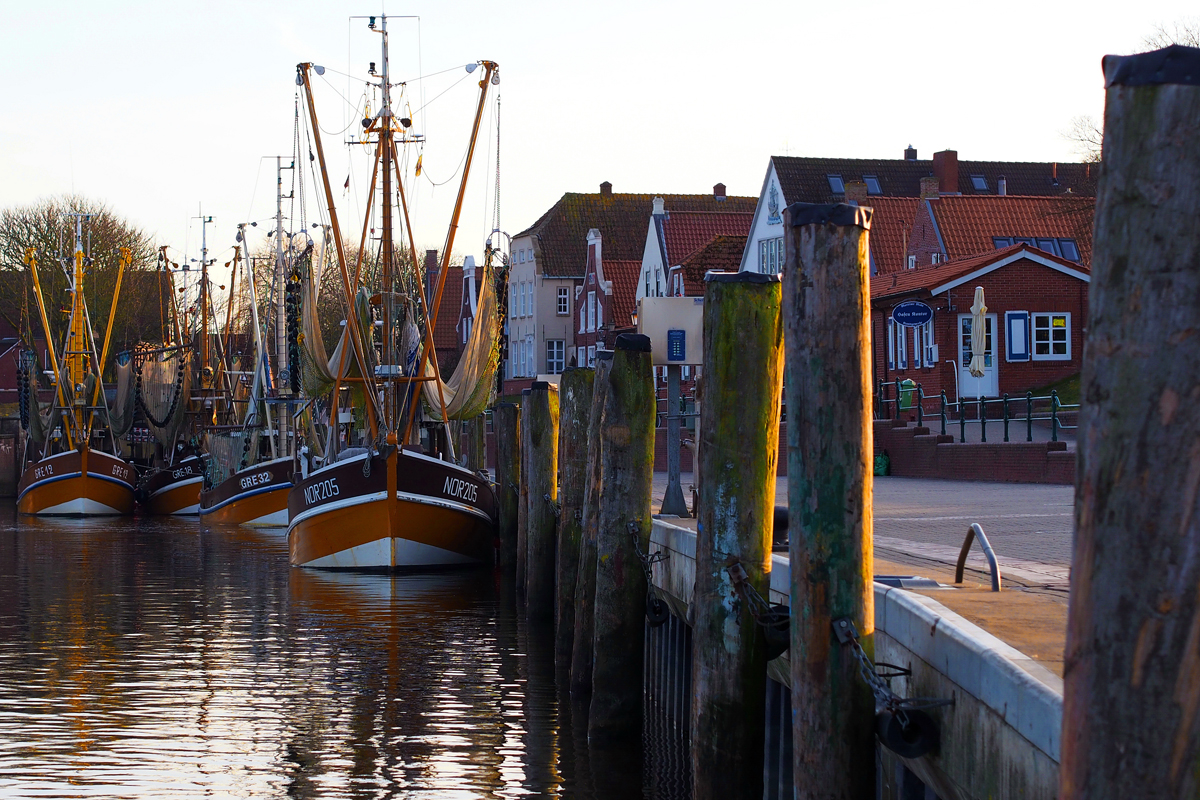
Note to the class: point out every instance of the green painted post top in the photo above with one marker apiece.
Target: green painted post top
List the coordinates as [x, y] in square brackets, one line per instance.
[842, 215]
[1175, 65]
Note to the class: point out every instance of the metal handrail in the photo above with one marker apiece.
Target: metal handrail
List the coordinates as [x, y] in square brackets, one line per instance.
[890, 408]
[973, 532]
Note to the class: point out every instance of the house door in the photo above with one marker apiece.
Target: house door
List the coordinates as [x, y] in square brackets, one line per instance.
[968, 384]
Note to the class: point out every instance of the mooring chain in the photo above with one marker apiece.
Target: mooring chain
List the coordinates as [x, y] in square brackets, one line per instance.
[762, 611]
[554, 507]
[877, 681]
[656, 610]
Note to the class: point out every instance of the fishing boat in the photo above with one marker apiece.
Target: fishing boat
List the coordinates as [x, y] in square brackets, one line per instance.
[393, 503]
[71, 477]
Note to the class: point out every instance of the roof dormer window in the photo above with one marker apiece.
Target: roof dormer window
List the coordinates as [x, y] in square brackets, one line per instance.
[836, 185]
[872, 183]
[979, 183]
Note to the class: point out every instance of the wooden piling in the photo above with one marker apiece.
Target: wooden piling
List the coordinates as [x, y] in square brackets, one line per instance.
[541, 481]
[506, 419]
[1131, 700]
[627, 471]
[575, 405]
[585, 585]
[523, 496]
[739, 449]
[826, 308]
[475, 446]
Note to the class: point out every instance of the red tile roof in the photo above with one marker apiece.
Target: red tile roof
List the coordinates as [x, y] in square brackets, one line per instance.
[926, 278]
[722, 253]
[624, 277]
[890, 227]
[967, 224]
[446, 338]
[806, 179]
[622, 219]
[686, 232]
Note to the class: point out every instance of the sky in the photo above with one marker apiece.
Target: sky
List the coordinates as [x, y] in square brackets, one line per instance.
[161, 110]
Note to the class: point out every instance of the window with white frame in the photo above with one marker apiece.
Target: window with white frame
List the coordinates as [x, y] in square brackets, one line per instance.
[591, 361]
[770, 255]
[917, 350]
[658, 282]
[530, 367]
[564, 301]
[891, 343]
[912, 262]
[901, 348]
[937, 258]
[529, 291]
[466, 326]
[647, 276]
[591, 311]
[556, 353]
[928, 347]
[1051, 337]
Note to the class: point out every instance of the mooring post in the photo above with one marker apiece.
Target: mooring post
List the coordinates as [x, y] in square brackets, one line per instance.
[1131, 698]
[739, 451]
[523, 496]
[542, 481]
[627, 473]
[575, 404]
[506, 419]
[585, 586]
[476, 445]
[826, 312]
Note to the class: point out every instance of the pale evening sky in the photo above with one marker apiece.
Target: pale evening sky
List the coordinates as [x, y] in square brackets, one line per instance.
[157, 107]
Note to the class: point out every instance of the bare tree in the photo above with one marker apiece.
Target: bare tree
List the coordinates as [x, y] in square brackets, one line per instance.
[1185, 31]
[1087, 134]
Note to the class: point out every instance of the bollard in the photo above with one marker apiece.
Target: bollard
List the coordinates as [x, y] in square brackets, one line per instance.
[575, 405]
[826, 312]
[739, 449]
[1132, 664]
[585, 586]
[507, 422]
[541, 480]
[627, 472]
[523, 498]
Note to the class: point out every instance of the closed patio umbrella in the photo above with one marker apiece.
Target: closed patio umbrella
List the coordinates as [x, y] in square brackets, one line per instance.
[978, 334]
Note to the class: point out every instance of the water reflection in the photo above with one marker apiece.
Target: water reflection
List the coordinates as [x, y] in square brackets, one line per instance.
[157, 658]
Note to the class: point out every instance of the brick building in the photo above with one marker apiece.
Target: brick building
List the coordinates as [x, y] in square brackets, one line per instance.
[604, 303]
[1036, 322]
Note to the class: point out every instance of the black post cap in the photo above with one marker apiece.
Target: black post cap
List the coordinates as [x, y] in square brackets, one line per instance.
[636, 342]
[842, 214]
[507, 404]
[717, 276]
[604, 355]
[1174, 65]
[542, 386]
[524, 392]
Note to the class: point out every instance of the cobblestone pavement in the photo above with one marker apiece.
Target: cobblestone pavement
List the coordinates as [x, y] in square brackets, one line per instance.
[1029, 525]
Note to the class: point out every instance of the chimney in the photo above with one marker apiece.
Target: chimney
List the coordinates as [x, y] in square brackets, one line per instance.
[929, 188]
[1054, 174]
[659, 207]
[856, 193]
[1001, 186]
[910, 153]
[606, 189]
[945, 167]
[719, 191]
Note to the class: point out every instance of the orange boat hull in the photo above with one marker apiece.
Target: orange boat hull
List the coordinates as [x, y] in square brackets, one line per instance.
[88, 483]
[180, 498]
[257, 495]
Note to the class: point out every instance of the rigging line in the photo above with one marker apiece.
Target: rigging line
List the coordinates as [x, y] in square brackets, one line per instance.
[345, 99]
[453, 174]
[424, 105]
[397, 83]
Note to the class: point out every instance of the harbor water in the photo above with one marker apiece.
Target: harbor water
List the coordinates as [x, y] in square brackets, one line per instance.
[161, 658]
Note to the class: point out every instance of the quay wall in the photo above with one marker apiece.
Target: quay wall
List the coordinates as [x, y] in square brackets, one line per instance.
[1001, 736]
[915, 452]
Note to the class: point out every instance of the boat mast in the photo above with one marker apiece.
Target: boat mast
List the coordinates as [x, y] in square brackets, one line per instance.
[386, 143]
[203, 297]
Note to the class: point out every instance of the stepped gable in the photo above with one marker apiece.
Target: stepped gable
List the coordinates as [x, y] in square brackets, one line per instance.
[806, 180]
[968, 224]
[721, 253]
[561, 233]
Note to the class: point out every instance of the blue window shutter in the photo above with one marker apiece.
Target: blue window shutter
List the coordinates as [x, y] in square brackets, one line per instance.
[1016, 335]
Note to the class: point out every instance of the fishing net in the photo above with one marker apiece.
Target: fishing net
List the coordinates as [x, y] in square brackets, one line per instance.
[124, 407]
[163, 383]
[228, 453]
[468, 392]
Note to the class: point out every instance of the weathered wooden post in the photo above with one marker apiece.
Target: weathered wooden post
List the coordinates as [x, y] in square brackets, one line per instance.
[506, 419]
[739, 451]
[523, 496]
[1131, 701]
[542, 483]
[585, 585]
[627, 472]
[826, 312]
[575, 404]
[476, 444]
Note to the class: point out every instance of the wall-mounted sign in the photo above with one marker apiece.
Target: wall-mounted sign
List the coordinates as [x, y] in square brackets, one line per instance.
[677, 346]
[912, 314]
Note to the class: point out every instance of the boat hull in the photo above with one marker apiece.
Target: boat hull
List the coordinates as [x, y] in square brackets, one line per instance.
[173, 490]
[78, 484]
[403, 511]
[257, 495]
